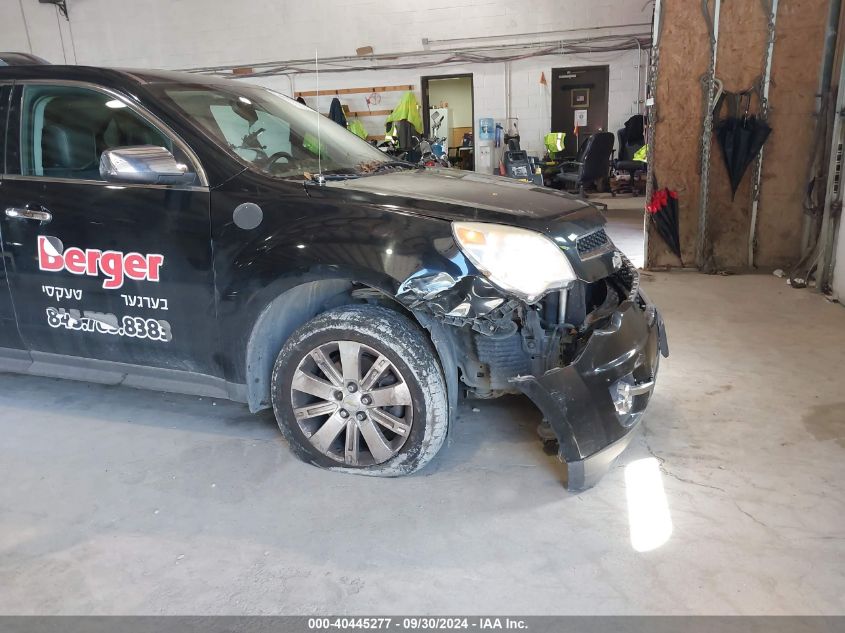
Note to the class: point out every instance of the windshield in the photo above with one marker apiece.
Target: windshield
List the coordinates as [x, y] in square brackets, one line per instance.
[273, 133]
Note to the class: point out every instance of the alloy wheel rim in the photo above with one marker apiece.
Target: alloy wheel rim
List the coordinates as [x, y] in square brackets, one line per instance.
[352, 403]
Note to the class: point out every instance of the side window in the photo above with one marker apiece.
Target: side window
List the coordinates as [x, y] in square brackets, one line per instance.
[5, 95]
[65, 129]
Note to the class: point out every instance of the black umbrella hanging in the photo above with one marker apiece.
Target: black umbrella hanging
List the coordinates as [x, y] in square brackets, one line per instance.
[663, 210]
[336, 113]
[741, 139]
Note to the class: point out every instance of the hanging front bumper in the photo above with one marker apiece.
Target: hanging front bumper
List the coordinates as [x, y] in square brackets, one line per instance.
[595, 403]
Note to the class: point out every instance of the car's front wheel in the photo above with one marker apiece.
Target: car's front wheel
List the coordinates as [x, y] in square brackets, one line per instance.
[359, 388]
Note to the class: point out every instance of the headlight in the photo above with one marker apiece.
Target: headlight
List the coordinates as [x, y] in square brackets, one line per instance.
[523, 262]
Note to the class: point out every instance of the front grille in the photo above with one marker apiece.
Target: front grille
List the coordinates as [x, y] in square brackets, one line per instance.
[593, 244]
[628, 277]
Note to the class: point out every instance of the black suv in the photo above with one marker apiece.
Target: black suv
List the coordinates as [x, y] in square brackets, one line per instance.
[206, 236]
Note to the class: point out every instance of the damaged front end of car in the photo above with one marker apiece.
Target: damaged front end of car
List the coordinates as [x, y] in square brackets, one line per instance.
[586, 353]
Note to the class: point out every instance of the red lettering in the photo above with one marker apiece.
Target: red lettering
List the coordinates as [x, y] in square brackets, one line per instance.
[48, 258]
[111, 263]
[92, 265]
[155, 264]
[75, 261]
[136, 266]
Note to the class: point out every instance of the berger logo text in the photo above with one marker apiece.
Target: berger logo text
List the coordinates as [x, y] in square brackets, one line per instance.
[115, 266]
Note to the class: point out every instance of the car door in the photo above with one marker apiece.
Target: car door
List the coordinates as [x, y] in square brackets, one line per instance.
[12, 349]
[106, 271]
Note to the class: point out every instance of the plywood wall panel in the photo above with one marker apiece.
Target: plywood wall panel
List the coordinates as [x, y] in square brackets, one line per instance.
[683, 59]
[795, 72]
[684, 56]
[742, 45]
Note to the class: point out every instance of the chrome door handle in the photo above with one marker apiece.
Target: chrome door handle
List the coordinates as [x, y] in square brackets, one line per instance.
[19, 213]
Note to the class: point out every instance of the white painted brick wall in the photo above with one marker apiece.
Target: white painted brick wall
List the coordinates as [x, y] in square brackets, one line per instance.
[188, 33]
[530, 101]
[193, 33]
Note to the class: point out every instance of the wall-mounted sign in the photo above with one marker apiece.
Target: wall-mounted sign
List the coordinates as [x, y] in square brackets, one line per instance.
[580, 118]
[580, 97]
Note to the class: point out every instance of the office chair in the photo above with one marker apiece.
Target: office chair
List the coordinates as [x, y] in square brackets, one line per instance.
[592, 167]
[631, 140]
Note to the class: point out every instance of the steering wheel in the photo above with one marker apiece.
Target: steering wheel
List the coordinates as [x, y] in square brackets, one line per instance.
[272, 158]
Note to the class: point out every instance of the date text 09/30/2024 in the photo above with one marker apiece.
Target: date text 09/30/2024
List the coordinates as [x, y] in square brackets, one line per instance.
[430, 623]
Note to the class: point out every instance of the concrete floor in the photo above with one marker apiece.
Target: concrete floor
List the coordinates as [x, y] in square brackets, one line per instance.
[122, 501]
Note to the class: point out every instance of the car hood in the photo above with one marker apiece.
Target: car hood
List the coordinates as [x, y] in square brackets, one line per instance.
[450, 194]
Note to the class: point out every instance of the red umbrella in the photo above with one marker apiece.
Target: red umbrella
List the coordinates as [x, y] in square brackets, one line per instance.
[663, 210]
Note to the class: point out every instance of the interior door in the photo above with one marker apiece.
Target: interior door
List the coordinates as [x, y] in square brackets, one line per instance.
[103, 271]
[584, 91]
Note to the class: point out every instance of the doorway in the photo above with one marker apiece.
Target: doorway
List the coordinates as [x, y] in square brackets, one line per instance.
[581, 93]
[585, 91]
[449, 113]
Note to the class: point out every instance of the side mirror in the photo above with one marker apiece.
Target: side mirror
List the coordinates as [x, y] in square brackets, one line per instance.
[143, 164]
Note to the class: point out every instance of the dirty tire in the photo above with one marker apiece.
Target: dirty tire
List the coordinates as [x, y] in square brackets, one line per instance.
[406, 346]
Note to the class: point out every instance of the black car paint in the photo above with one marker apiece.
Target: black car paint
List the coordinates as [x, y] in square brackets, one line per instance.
[591, 433]
[456, 195]
[9, 336]
[231, 289]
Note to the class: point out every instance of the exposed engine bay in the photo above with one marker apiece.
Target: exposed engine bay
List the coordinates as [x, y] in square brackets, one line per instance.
[586, 355]
[501, 338]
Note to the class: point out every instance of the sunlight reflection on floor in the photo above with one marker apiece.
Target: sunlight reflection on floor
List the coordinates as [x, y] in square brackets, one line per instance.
[648, 509]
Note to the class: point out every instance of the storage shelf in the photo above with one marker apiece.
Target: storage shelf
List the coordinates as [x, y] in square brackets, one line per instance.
[369, 113]
[352, 91]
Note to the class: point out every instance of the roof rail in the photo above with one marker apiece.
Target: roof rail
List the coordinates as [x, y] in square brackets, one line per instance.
[21, 59]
